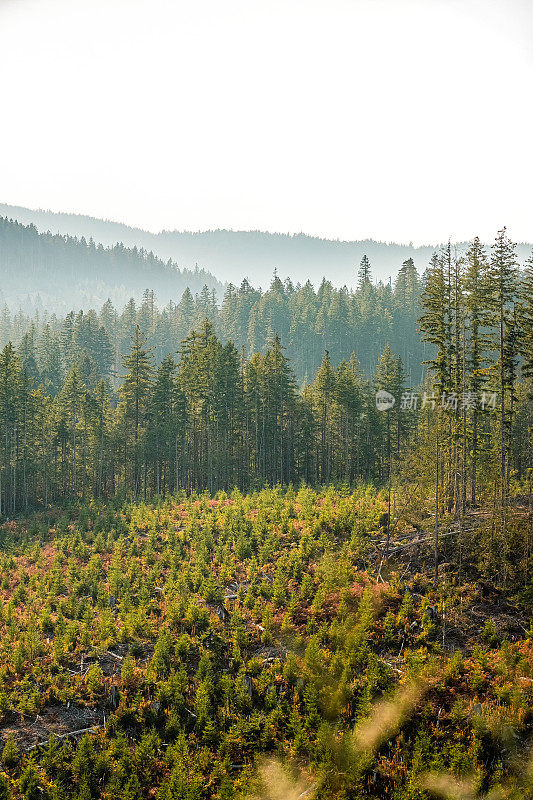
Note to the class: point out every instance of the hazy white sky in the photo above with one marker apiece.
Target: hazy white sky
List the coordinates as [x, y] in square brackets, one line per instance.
[392, 119]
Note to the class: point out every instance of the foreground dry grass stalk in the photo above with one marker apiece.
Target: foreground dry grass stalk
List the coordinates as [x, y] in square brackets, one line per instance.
[386, 718]
[383, 722]
[278, 784]
[446, 787]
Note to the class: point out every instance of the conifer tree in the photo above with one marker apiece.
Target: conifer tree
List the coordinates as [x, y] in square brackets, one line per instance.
[70, 402]
[389, 377]
[163, 433]
[325, 388]
[9, 375]
[364, 274]
[477, 307]
[49, 352]
[504, 285]
[134, 394]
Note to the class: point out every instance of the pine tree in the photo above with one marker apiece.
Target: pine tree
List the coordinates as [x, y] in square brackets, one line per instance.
[504, 283]
[389, 377]
[28, 356]
[162, 431]
[325, 388]
[434, 322]
[9, 375]
[349, 402]
[5, 791]
[70, 402]
[280, 389]
[134, 394]
[406, 307]
[103, 414]
[49, 351]
[477, 305]
[364, 274]
[435, 329]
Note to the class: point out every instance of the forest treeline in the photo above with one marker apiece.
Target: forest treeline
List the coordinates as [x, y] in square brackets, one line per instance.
[233, 254]
[308, 321]
[210, 414]
[53, 272]
[167, 620]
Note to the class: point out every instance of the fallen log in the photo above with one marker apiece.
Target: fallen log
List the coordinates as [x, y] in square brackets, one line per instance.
[93, 729]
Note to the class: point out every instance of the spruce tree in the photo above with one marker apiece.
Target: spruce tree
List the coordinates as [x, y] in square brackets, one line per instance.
[9, 376]
[504, 286]
[476, 283]
[389, 377]
[364, 273]
[134, 394]
[325, 388]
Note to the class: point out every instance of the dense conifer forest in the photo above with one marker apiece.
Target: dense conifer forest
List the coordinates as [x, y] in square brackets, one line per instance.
[51, 272]
[233, 254]
[273, 547]
[308, 319]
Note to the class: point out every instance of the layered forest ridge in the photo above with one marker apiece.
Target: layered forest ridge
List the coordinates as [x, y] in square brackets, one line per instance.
[234, 255]
[278, 548]
[57, 273]
[307, 320]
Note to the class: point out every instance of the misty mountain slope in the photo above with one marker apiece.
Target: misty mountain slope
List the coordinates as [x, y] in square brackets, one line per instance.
[61, 272]
[233, 255]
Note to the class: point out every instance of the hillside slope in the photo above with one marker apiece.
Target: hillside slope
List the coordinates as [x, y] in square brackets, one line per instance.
[163, 651]
[233, 255]
[61, 272]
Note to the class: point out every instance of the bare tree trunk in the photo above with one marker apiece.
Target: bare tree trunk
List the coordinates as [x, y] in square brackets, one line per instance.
[436, 553]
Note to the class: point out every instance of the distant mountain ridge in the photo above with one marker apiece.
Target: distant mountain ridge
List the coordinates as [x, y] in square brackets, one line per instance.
[58, 272]
[233, 255]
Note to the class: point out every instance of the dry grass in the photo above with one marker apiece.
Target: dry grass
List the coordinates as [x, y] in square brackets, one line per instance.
[277, 783]
[386, 718]
[444, 786]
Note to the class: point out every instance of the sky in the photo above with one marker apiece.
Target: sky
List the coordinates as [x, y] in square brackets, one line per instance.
[398, 120]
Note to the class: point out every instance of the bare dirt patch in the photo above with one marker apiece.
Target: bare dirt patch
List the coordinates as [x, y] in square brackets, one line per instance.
[56, 720]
